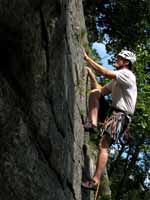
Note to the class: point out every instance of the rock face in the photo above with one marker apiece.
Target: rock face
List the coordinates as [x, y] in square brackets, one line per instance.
[41, 71]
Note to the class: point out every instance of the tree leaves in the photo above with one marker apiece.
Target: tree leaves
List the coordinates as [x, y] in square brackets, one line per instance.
[125, 24]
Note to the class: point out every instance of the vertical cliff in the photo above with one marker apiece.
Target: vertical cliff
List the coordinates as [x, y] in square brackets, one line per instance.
[41, 98]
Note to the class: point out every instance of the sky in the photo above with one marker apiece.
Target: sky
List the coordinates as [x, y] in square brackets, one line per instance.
[101, 50]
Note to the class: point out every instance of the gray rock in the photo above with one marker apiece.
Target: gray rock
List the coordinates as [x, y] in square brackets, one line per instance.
[41, 68]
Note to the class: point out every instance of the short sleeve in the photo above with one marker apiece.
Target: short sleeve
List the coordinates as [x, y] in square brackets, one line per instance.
[125, 77]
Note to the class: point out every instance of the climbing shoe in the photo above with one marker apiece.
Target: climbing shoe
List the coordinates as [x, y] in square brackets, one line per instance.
[89, 127]
[89, 185]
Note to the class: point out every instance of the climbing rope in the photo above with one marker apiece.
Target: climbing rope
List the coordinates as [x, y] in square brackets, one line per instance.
[97, 192]
[86, 95]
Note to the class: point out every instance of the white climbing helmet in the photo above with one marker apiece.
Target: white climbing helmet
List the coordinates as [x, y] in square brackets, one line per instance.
[128, 55]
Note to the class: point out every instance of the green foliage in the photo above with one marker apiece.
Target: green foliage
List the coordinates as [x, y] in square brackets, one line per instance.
[106, 197]
[126, 24]
[123, 23]
[132, 167]
[143, 107]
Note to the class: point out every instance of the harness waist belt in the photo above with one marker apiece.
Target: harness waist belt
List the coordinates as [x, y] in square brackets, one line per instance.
[119, 110]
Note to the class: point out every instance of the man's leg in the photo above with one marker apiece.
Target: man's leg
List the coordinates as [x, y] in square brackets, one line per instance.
[94, 83]
[101, 164]
[102, 158]
[94, 106]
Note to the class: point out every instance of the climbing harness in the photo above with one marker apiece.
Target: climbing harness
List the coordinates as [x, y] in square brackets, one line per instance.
[116, 126]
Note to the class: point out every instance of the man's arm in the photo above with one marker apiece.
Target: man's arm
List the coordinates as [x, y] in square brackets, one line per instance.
[99, 68]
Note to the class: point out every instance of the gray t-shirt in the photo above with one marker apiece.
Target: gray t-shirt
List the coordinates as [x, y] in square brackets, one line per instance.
[124, 90]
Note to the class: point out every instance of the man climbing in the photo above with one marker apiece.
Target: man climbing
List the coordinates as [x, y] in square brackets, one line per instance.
[124, 94]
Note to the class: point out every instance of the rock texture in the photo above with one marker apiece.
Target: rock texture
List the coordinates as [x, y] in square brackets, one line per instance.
[41, 99]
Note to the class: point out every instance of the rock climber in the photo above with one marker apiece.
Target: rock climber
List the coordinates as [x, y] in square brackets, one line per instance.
[123, 89]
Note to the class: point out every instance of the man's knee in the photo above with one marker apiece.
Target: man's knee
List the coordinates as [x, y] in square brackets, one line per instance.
[95, 93]
[104, 143]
